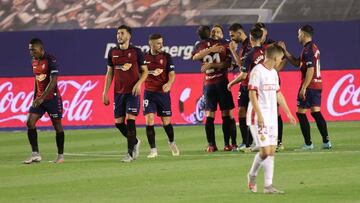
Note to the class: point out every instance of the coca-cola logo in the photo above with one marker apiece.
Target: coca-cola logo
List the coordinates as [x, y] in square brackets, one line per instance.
[346, 95]
[15, 105]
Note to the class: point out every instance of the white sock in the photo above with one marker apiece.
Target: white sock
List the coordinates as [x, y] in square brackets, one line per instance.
[256, 165]
[268, 170]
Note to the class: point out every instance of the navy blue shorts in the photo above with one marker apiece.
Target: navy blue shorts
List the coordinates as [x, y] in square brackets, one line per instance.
[126, 104]
[157, 102]
[243, 98]
[53, 107]
[218, 93]
[312, 98]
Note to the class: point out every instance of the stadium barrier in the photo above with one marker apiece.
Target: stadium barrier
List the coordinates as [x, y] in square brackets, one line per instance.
[83, 106]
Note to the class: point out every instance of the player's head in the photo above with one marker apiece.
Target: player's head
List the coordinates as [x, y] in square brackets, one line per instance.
[305, 33]
[123, 34]
[263, 28]
[256, 35]
[274, 53]
[156, 42]
[217, 32]
[203, 32]
[236, 32]
[36, 48]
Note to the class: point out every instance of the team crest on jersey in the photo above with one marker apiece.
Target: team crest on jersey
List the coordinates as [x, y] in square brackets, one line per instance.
[40, 77]
[262, 137]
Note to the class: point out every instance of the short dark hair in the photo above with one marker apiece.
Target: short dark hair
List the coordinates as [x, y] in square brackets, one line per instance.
[203, 31]
[235, 27]
[272, 50]
[308, 29]
[125, 27]
[219, 26]
[259, 25]
[155, 36]
[256, 33]
[36, 41]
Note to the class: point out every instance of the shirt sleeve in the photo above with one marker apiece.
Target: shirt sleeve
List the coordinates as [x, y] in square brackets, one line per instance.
[170, 65]
[254, 80]
[309, 58]
[109, 58]
[140, 59]
[53, 66]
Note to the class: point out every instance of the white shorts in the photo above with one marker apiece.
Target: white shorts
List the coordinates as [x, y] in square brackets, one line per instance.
[265, 136]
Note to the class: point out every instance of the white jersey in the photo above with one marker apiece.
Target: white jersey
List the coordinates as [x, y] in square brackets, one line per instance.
[266, 83]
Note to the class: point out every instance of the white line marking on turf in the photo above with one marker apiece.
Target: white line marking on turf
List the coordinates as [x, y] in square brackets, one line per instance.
[91, 154]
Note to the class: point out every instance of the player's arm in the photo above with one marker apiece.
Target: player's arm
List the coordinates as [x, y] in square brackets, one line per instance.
[239, 78]
[108, 80]
[144, 74]
[217, 48]
[35, 89]
[48, 90]
[255, 103]
[293, 60]
[235, 55]
[221, 65]
[308, 77]
[167, 86]
[282, 102]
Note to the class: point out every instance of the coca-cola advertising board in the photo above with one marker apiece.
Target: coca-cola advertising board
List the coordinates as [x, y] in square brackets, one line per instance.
[83, 106]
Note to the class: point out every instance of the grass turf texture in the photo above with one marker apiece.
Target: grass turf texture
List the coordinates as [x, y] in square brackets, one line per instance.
[92, 171]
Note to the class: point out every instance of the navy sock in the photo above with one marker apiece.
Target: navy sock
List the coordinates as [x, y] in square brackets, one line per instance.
[32, 136]
[122, 128]
[280, 129]
[60, 139]
[321, 124]
[243, 129]
[226, 129]
[169, 130]
[131, 135]
[233, 131]
[150, 133]
[210, 131]
[305, 127]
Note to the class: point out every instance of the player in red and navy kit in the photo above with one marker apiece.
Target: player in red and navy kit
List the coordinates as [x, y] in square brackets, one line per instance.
[253, 57]
[46, 99]
[309, 95]
[217, 33]
[215, 59]
[127, 66]
[157, 93]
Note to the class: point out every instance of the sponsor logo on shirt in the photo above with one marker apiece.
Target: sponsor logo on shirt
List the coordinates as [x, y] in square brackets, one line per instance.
[40, 77]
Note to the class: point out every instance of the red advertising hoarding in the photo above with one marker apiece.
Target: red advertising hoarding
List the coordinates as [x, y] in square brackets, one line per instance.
[83, 106]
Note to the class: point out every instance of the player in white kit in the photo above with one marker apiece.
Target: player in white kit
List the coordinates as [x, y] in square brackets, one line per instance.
[264, 94]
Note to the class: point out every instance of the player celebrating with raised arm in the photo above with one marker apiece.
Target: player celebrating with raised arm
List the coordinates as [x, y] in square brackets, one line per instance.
[46, 99]
[309, 95]
[264, 94]
[126, 63]
[157, 93]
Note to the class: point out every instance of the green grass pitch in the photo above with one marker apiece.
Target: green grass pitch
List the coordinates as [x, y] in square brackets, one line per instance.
[92, 171]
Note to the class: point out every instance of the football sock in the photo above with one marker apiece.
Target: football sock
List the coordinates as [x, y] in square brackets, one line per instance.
[305, 127]
[150, 133]
[249, 138]
[169, 132]
[122, 128]
[243, 129]
[256, 165]
[280, 129]
[131, 135]
[226, 129]
[233, 131]
[321, 124]
[32, 136]
[210, 131]
[60, 138]
[268, 170]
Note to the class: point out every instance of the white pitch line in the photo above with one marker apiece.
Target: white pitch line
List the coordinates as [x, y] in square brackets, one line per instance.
[214, 154]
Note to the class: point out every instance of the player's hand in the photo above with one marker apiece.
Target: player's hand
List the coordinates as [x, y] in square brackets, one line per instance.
[282, 45]
[233, 46]
[217, 48]
[229, 86]
[37, 102]
[105, 99]
[292, 119]
[302, 94]
[205, 66]
[136, 89]
[166, 87]
[260, 121]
